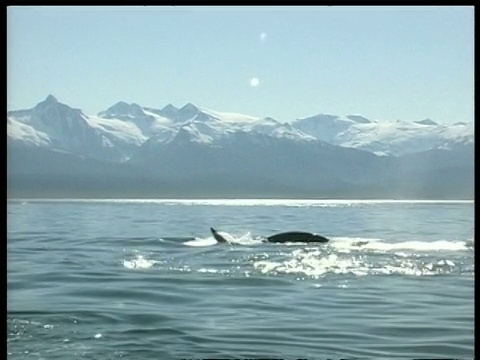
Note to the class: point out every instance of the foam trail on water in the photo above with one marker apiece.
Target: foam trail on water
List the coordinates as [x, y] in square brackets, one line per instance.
[244, 239]
[198, 242]
[346, 244]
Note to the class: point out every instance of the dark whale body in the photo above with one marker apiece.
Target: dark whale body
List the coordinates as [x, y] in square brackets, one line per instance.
[297, 236]
[291, 236]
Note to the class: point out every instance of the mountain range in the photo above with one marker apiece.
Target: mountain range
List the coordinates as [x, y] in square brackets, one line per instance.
[129, 150]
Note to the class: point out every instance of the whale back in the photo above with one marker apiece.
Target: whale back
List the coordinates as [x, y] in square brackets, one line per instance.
[297, 236]
[291, 236]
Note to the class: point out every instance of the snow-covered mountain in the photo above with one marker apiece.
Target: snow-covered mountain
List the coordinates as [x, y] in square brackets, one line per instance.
[385, 138]
[56, 126]
[129, 147]
[118, 132]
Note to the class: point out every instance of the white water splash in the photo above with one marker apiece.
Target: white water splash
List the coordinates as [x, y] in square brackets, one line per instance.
[213, 271]
[197, 242]
[140, 262]
[244, 239]
[317, 263]
[345, 244]
[310, 263]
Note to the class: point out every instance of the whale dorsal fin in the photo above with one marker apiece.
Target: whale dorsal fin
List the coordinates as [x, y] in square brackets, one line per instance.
[217, 236]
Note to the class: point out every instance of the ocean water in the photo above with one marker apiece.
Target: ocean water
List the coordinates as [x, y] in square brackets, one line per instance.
[144, 279]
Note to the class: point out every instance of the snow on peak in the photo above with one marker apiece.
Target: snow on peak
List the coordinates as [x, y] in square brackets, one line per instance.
[426, 122]
[359, 119]
[229, 117]
[382, 137]
[270, 120]
[324, 127]
[319, 118]
[191, 133]
[271, 127]
[25, 134]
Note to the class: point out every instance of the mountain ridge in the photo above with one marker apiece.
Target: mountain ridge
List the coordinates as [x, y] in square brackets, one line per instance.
[137, 150]
[380, 137]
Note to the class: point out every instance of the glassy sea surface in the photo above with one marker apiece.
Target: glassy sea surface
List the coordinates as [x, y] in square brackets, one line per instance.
[144, 279]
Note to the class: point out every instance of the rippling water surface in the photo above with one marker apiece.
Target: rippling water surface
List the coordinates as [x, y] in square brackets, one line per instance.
[144, 279]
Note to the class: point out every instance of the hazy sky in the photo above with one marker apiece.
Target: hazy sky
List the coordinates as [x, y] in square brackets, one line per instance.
[386, 63]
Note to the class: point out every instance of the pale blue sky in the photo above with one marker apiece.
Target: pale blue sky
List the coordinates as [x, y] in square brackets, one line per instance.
[385, 63]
